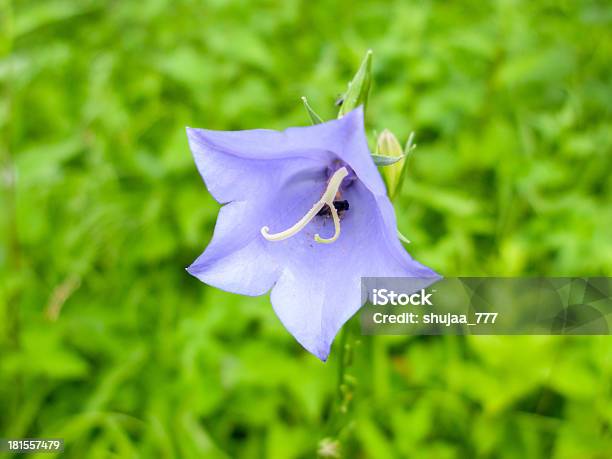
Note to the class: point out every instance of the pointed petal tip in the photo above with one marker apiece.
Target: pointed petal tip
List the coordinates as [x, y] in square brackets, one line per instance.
[433, 276]
[324, 351]
[358, 110]
[195, 272]
[355, 115]
[191, 270]
[191, 136]
[320, 349]
[191, 132]
[324, 348]
[322, 355]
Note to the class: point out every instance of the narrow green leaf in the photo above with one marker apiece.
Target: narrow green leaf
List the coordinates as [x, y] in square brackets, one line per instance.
[359, 87]
[314, 118]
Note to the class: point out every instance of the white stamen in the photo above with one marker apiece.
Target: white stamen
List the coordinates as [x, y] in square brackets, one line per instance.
[326, 200]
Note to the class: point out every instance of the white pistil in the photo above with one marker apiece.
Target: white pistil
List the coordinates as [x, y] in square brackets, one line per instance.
[326, 200]
[336, 218]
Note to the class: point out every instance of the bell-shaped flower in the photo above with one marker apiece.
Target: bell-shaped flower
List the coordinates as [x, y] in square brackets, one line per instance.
[306, 215]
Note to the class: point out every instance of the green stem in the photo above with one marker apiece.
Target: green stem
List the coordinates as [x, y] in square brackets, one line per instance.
[341, 362]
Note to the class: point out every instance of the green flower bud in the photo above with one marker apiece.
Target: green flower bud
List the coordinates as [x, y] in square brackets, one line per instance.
[388, 146]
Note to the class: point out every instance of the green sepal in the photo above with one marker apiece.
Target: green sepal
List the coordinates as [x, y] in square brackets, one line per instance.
[382, 160]
[314, 118]
[359, 87]
[409, 144]
[402, 238]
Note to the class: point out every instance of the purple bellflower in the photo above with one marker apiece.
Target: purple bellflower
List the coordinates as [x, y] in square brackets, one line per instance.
[306, 214]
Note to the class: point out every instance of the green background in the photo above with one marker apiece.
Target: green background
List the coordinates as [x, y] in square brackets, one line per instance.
[107, 342]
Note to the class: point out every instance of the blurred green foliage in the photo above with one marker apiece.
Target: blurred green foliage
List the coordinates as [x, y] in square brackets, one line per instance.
[108, 343]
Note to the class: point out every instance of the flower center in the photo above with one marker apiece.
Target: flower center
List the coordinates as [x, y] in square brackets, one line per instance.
[326, 200]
